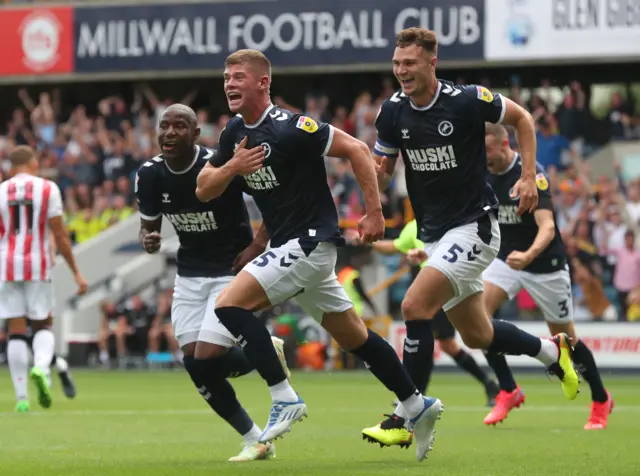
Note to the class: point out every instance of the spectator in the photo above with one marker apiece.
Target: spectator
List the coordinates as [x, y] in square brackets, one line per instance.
[633, 301]
[120, 210]
[85, 225]
[139, 316]
[571, 116]
[159, 106]
[620, 117]
[208, 132]
[633, 203]
[113, 324]
[341, 120]
[592, 293]
[551, 145]
[43, 115]
[626, 277]
[18, 131]
[568, 205]
[161, 327]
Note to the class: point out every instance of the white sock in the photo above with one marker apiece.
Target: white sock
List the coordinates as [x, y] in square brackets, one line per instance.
[413, 405]
[18, 357]
[283, 392]
[401, 412]
[43, 344]
[61, 364]
[104, 357]
[549, 352]
[252, 435]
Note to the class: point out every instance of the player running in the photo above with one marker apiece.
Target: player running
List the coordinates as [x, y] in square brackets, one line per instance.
[215, 240]
[30, 210]
[443, 330]
[280, 156]
[532, 256]
[439, 127]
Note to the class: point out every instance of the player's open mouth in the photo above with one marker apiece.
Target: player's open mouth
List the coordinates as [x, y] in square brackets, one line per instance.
[168, 146]
[407, 83]
[234, 96]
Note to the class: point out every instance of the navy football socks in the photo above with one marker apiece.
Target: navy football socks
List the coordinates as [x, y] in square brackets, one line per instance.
[383, 362]
[587, 367]
[255, 340]
[417, 356]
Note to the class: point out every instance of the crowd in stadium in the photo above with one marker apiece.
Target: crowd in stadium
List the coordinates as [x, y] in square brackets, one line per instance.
[94, 151]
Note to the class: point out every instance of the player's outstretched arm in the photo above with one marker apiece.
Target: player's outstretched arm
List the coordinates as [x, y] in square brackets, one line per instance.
[524, 125]
[346, 147]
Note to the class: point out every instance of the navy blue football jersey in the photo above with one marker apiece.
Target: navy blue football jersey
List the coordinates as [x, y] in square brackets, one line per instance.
[291, 189]
[519, 232]
[442, 145]
[211, 234]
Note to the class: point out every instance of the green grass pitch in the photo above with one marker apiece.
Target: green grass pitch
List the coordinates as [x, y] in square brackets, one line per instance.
[155, 424]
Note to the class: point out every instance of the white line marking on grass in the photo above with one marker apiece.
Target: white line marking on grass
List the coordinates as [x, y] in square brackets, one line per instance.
[178, 412]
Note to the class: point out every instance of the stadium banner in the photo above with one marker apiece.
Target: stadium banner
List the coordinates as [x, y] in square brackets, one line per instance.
[198, 36]
[36, 41]
[614, 345]
[561, 29]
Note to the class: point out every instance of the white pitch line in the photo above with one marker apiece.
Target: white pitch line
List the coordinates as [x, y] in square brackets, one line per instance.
[450, 409]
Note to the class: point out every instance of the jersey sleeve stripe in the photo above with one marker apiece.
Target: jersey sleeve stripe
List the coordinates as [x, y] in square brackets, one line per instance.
[503, 111]
[325, 152]
[148, 218]
[385, 144]
[381, 149]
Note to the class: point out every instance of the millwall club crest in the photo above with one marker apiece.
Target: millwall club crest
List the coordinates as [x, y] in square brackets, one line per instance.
[517, 197]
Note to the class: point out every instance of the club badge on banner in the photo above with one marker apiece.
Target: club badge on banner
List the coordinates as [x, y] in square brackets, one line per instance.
[615, 345]
[556, 29]
[37, 41]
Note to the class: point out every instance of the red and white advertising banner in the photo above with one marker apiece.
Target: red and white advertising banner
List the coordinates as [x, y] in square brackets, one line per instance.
[615, 345]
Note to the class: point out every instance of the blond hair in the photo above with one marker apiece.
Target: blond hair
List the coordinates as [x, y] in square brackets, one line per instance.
[254, 58]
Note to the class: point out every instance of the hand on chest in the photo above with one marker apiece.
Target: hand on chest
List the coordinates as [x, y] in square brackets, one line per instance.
[269, 176]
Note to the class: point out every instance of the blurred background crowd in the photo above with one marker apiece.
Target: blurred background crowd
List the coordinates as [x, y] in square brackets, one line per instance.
[92, 140]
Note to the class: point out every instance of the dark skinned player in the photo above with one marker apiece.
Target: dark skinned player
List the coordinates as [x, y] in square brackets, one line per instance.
[215, 241]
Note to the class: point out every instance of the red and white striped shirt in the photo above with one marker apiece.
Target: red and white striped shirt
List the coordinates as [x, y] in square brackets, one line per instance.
[26, 205]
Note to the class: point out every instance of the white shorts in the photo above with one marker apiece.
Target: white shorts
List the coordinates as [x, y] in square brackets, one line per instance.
[463, 253]
[550, 291]
[193, 315]
[32, 299]
[288, 271]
